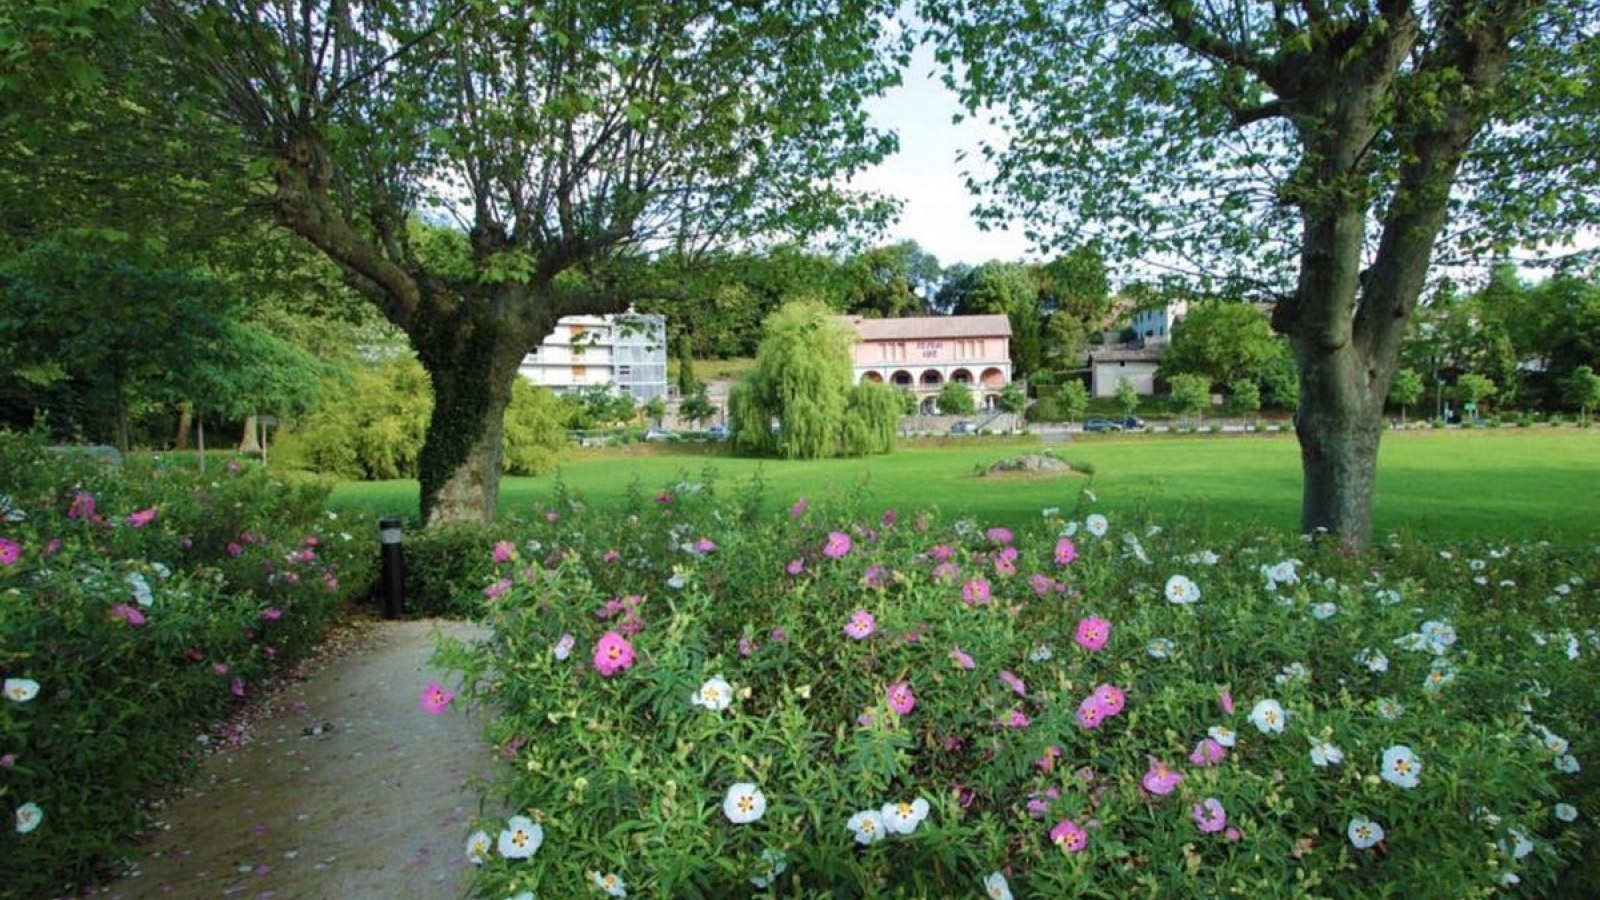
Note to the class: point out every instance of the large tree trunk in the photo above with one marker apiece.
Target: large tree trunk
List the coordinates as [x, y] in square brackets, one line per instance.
[180, 441]
[472, 358]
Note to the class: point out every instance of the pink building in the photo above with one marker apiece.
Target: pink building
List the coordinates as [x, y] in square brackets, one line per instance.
[922, 354]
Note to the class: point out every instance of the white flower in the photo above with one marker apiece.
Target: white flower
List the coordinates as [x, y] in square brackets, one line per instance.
[867, 825]
[744, 803]
[1374, 660]
[1041, 653]
[141, 588]
[1203, 558]
[1158, 648]
[1293, 672]
[715, 694]
[1097, 525]
[1050, 512]
[676, 582]
[21, 689]
[1387, 596]
[1322, 611]
[1438, 636]
[904, 817]
[521, 838]
[1566, 812]
[478, 847]
[1401, 767]
[773, 863]
[1521, 845]
[995, 887]
[8, 510]
[1281, 572]
[609, 883]
[1572, 646]
[1222, 734]
[1325, 754]
[1364, 833]
[1440, 675]
[1390, 708]
[1567, 764]
[29, 815]
[1181, 590]
[1553, 742]
[562, 648]
[1267, 716]
[1070, 529]
[525, 895]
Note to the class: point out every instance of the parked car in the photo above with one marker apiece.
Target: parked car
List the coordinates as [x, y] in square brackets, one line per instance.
[717, 432]
[1101, 425]
[1131, 423]
[659, 434]
[964, 427]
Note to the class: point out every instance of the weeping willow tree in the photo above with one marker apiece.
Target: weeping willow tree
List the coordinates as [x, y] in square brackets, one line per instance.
[798, 402]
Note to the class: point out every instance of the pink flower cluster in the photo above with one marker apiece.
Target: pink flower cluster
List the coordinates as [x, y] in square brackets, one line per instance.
[1106, 702]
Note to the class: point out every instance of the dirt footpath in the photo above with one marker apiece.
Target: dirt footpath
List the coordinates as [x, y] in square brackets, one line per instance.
[345, 790]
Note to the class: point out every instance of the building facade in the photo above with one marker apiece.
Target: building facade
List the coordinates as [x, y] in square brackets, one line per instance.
[923, 354]
[626, 353]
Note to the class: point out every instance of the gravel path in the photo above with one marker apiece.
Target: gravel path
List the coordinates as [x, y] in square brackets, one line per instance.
[344, 789]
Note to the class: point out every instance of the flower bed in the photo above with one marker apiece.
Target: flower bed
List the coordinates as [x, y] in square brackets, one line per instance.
[136, 605]
[696, 702]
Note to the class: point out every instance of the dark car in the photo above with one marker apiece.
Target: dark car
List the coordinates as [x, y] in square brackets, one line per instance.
[1101, 425]
[717, 432]
[964, 427]
[1131, 423]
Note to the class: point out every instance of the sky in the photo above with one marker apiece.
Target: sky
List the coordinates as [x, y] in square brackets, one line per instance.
[926, 176]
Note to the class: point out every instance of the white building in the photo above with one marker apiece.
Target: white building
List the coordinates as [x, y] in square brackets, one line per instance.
[626, 353]
[1154, 326]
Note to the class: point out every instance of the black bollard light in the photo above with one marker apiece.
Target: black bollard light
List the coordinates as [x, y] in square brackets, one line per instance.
[393, 567]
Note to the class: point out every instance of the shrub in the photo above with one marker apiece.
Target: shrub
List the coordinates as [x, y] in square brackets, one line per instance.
[1040, 703]
[139, 603]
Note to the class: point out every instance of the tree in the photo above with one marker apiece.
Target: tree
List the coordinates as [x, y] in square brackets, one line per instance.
[696, 407]
[1072, 400]
[1581, 388]
[1008, 289]
[560, 139]
[1472, 389]
[535, 433]
[798, 401]
[955, 399]
[1012, 398]
[1224, 342]
[1406, 390]
[892, 281]
[687, 383]
[1244, 397]
[1127, 397]
[1308, 153]
[656, 409]
[1189, 393]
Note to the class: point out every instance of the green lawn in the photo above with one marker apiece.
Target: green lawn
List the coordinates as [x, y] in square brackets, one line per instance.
[1457, 485]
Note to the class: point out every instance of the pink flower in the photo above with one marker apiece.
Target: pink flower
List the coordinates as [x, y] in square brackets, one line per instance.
[861, 625]
[798, 509]
[1006, 562]
[52, 548]
[704, 546]
[1226, 698]
[946, 572]
[1047, 759]
[611, 556]
[940, 553]
[746, 645]
[129, 614]
[962, 659]
[142, 518]
[498, 588]
[1017, 719]
[889, 518]
[975, 591]
[504, 551]
[1066, 551]
[1013, 682]
[1039, 804]
[1041, 584]
[664, 497]
[999, 535]
[1089, 713]
[876, 577]
[10, 551]
[435, 698]
[901, 699]
[1210, 816]
[221, 668]
[8, 760]
[795, 566]
[1160, 779]
[81, 507]
[234, 549]
[1208, 753]
[272, 614]
[838, 545]
[1093, 633]
[237, 687]
[552, 516]
[1233, 834]
[612, 654]
[1069, 837]
[1109, 698]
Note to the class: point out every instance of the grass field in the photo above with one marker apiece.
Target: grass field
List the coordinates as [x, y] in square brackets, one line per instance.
[1446, 485]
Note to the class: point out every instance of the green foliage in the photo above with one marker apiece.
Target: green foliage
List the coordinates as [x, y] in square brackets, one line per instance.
[955, 399]
[697, 407]
[1189, 393]
[1127, 396]
[1350, 659]
[1472, 387]
[1282, 382]
[1224, 342]
[1406, 389]
[1244, 396]
[871, 418]
[800, 386]
[1581, 388]
[370, 426]
[1012, 398]
[143, 622]
[535, 430]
